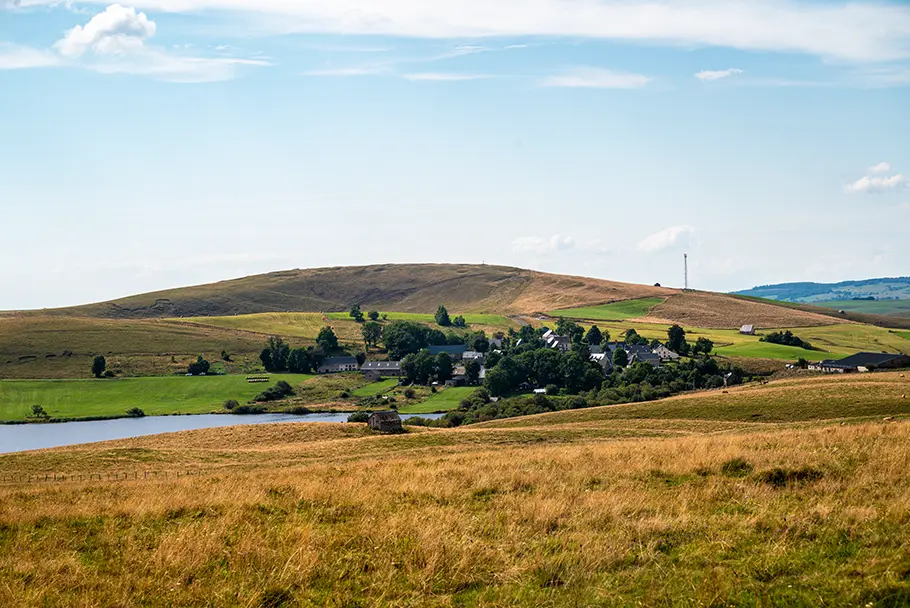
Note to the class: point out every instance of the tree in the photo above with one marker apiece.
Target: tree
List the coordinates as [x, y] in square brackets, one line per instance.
[620, 357]
[275, 355]
[802, 363]
[472, 372]
[632, 338]
[419, 367]
[327, 340]
[99, 364]
[594, 337]
[39, 412]
[703, 345]
[676, 339]
[135, 412]
[403, 338]
[442, 317]
[444, 367]
[372, 332]
[459, 321]
[373, 315]
[300, 361]
[199, 367]
[356, 314]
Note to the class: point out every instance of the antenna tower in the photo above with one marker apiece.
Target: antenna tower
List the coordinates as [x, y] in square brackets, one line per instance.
[686, 267]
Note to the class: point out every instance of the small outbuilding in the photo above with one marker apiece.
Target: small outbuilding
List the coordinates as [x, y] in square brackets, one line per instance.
[747, 330]
[385, 422]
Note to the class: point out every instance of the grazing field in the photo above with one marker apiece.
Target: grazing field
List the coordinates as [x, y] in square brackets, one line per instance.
[376, 388]
[444, 401]
[112, 397]
[302, 325]
[486, 322]
[576, 509]
[616, 311]
[897, 308]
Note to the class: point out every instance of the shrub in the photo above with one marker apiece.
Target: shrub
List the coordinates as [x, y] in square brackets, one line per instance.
[359, 417]
[276, 393]
[417, 421]
[39, 412]
[248, 410]
[736, 467]
[109, 373]
[345, 395]
[780, 478]
[231, 404]
[135, 412]
[409, 393]
[300, 411]
[433, 390]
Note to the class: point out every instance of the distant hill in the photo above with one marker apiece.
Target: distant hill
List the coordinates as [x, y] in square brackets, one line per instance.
[418, 288]
[885, 289]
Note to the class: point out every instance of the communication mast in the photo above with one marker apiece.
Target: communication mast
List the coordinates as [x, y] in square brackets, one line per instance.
[686, 270]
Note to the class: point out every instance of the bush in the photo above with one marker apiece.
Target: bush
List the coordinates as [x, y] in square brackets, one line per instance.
[359, 417]
[231, 404]
[300, 411]
[780, 478]
[39, 412]
[248, 410]
[409, 393]
[109, 373]
[417, 421]
[345, 395]
[433, 390]
[276, 393]
[135, 412]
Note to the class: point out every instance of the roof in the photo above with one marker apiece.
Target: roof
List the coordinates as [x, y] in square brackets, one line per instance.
[381, 365]
[329, 362]
[646, 358]
[386, 416]
[471, 354]
[867, 359]
[452, 349]
[747, 328]
[639, 349]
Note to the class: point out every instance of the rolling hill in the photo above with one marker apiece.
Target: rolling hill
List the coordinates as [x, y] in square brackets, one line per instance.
[885, 296]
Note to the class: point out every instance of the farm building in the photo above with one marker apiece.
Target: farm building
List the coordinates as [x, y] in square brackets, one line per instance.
[649, 358]
[385, 422]
[470, 355]
[665, 353]
[747, 330]
[603, 360]
[864, 362]
[374, 370]
[337, 365]
[456, 351]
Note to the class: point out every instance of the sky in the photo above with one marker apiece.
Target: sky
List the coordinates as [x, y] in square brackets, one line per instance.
[164, 143]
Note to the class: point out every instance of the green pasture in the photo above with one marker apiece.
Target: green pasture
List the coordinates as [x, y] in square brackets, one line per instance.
[472, 319]
[897, 308]
[445, 400]
[376, 388]
[617, 311]
[113, 397]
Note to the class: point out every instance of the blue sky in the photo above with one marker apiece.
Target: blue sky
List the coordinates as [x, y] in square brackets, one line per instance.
[174, 142]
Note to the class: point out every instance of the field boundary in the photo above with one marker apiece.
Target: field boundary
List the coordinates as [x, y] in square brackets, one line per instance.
[36, 478]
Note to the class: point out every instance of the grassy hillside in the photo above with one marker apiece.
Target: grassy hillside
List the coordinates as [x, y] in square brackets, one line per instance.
[582, 508]
[896, 308]
[416, 288]
[616, 311]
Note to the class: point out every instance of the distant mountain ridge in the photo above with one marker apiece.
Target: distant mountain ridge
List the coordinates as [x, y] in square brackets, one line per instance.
[894, 288]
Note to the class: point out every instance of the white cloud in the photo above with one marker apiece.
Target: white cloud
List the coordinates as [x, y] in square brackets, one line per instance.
[596, 78]
[443, 77]
[13, 57]
[880, 168]
[709, 75]
[665, 238]
[874, 31]
[117, 30]
[114, 42]
[350, 71]
[537, 244]
[869, 184]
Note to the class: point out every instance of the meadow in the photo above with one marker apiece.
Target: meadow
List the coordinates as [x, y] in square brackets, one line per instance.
[445, 400]
[616, 311]
[376, 388]
[898, 308]
[112, 397]
[577, 509]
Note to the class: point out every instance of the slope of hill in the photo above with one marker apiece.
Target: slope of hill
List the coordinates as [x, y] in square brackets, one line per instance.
[416, 288]
[897, 288]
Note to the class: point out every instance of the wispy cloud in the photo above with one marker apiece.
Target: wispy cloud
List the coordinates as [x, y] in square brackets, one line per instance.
[595, 78]
[344, 72]
[711, 75]
[114, 42]
[880, 168]
[443, 77]
[870, 184]
[537, 244]
[864, 32]
[665, 239]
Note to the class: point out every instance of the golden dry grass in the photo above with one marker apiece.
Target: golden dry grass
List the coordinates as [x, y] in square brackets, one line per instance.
[719, 311]
[552, 292]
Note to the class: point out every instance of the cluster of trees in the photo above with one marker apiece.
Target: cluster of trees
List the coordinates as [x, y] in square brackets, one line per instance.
[423, 368]
[543, 367]
[787, 339]
[640, 382]
[199, 367]
[275, 393]
[357, 314]
[278, 356]
[443, 319]
[402, 338]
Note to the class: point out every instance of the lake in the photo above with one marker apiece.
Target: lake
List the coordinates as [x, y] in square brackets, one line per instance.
[23, 437]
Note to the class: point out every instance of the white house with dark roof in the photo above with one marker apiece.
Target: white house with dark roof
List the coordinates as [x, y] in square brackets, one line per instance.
[747, 330]
[337, 365]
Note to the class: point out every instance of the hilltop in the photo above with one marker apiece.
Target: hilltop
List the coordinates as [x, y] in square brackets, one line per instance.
[885, 296]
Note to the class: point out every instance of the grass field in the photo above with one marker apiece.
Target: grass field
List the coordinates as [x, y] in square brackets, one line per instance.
[376, 388]
[897, 308]
[155, 396]
[580, 508]
[617, 311]
[445, 400]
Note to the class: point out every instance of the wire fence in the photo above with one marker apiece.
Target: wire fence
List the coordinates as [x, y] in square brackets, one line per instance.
[27, 478]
